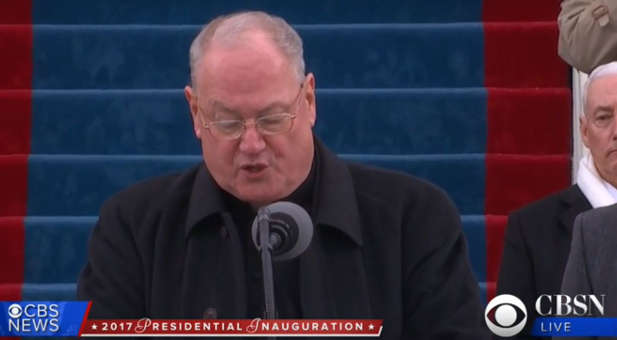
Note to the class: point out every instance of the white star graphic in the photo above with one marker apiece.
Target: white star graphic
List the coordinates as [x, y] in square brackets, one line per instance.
[371, 327]
[94, 326]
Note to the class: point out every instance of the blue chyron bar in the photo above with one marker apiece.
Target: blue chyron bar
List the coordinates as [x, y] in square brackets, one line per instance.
[42, 318]
[580, 326]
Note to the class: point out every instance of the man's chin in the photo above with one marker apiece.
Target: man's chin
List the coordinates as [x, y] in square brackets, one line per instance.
[258, 198]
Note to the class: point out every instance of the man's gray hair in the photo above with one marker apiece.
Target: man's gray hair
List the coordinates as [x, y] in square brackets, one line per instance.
[600, 71]
[228, 28]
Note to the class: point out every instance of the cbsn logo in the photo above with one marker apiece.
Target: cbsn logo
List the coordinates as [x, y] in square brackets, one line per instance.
[33, 318]
[564, 305]
[506, 315]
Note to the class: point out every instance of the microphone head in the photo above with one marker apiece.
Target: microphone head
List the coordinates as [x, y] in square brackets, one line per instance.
[291, 229]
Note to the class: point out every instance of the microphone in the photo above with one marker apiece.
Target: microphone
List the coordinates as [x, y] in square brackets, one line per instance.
[291, 229]
[281, 231]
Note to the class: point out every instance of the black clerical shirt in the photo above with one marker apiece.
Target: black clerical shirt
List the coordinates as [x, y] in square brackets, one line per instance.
[285, 273]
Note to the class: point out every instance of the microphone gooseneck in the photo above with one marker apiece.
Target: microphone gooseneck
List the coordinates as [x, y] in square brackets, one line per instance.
[290, 227]
[281, 231]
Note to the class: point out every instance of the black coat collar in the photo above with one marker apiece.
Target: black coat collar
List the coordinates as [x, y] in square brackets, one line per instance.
[574, 203]
[335, 198]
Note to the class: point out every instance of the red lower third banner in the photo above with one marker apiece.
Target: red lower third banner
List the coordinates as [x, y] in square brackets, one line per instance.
[255, 327]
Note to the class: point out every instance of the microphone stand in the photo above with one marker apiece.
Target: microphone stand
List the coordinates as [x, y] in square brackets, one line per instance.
[281, 230]
[265, 249]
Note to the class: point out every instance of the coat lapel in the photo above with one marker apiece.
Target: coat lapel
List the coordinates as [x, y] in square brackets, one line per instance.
[574, 203]
[214, 281]
[333, 281]
[316, 298]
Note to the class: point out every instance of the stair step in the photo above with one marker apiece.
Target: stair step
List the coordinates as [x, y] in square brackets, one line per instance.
[56, 248]
[78, 184]
[198, 12]
[348, 56]
[380, 121]
[349, 121]
[49, 291]
[151, 56]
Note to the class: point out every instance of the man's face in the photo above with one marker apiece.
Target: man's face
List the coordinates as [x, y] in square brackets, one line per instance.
[599, 126]
[247, 81]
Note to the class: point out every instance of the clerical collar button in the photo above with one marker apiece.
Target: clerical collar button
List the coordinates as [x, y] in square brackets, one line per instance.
[210, 313]
[224, 233]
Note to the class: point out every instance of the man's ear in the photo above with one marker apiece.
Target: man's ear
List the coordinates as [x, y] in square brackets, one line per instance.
[191, 99]
[310, 98]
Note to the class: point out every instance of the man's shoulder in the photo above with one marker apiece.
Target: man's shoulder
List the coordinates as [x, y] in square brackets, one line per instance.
[390, 186]
[551, 206]
[414, 208]
[154, 191]
[595, 220]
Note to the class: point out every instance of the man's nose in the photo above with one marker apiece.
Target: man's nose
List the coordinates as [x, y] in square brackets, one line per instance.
[251, 140]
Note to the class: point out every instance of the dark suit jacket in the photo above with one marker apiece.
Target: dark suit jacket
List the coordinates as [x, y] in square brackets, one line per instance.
[592, 264]
[536, 247]
[386, 246]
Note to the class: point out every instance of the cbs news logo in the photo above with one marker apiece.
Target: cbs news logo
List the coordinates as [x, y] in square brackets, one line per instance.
[33, 317]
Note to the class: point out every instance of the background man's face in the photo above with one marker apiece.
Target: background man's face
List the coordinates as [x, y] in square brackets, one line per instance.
[601, 109]
[249, 80]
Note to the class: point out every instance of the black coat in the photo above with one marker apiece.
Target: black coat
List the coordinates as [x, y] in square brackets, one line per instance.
[536, 247]
[386, 246]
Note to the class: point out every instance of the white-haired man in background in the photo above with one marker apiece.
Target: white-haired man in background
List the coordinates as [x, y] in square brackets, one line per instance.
[538, 236]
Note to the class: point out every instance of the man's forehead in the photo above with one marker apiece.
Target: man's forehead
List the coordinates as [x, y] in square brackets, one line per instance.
[238, 66]
[605, 84]
[248, 45]
[602, 92]
[215, 105]
[224, 78]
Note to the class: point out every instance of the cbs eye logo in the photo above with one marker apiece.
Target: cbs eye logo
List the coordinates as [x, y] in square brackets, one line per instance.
[505, 315]
[14, 311]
